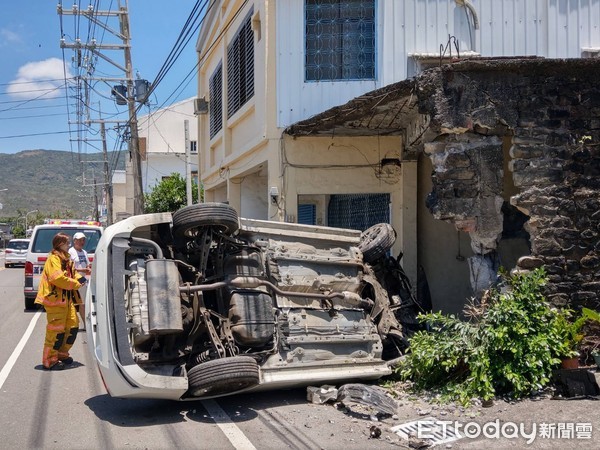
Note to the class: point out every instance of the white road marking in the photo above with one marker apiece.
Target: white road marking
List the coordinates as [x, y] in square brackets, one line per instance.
[229, 429]
[18, 349]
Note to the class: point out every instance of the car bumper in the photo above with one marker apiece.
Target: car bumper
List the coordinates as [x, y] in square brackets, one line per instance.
[14, 261]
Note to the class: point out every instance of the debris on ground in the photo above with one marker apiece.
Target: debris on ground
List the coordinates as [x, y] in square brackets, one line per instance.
[323, 394]
[374, 432]
[376, 399]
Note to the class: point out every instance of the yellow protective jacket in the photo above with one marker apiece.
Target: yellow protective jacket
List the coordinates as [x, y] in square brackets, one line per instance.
[58, 283]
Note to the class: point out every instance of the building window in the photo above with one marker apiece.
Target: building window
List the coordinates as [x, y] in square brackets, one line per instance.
[307, 214]
[358, 211]
[240, 67]
[215, 105]
[339, 40]
[193, 147]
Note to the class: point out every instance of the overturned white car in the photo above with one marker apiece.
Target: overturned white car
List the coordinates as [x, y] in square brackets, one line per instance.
[200, 304]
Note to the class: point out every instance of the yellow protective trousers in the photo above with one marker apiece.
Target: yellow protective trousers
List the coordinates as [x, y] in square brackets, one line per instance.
[61, 332]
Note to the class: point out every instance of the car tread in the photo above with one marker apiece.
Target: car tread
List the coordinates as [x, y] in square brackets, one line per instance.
[376, 241]
[223, 376]
[188, 219]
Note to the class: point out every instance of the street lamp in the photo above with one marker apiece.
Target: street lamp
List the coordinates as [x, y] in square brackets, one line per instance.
[30, 212]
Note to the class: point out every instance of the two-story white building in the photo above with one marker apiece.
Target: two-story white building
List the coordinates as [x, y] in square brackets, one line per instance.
[162, 138]
[265, 65]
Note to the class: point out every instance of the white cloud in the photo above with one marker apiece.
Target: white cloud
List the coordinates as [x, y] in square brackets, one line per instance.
[39, 79]
[8, 37]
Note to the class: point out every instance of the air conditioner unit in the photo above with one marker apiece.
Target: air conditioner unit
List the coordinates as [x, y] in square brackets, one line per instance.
[200, 106]
[590, 52]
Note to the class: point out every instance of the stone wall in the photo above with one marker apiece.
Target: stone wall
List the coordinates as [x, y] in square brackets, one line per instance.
[551, 108]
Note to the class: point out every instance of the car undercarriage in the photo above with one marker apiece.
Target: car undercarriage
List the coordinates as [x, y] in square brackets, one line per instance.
[236, 304]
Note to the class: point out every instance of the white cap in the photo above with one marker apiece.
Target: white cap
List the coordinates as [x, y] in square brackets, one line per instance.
[79, 235]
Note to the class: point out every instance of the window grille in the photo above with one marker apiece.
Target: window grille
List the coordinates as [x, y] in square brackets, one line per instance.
[240, 67]
[358, 211]
[339, 40]
[307, 214]
[193, 147]
[215, 104]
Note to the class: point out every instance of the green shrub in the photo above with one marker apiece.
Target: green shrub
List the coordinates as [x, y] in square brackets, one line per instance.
[169, 195]
[509, 346]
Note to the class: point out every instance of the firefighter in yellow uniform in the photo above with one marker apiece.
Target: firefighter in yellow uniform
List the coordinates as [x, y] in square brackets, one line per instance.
[58, 292]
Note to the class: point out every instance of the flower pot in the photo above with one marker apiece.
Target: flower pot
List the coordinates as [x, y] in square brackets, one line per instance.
[596, 358]
[570, 363]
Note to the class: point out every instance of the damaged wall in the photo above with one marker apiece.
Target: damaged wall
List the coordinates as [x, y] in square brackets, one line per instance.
[551, 110]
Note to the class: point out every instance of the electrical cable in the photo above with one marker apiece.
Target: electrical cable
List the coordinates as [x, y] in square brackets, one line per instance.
[50, 133]
[201, 59]
[181, 42]
[24, 102]
[34, 117]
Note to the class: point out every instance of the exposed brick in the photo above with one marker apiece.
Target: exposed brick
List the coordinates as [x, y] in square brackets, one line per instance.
[530, 263]
[590, 262]
[555, 170]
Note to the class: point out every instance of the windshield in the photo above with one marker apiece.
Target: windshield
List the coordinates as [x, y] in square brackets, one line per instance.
[18, 245]
[43, 238]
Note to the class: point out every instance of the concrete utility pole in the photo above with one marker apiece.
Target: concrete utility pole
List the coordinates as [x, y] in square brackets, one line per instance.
[188, 173]
[135, 198]
[107, 181]
[134, 143]
[96, 215]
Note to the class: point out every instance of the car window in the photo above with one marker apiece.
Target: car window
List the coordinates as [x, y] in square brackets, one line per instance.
[42, 242]
[18, 245]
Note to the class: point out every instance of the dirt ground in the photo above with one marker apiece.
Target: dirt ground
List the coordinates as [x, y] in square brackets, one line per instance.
[539, 422]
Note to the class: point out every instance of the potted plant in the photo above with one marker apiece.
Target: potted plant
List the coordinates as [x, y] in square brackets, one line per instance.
[570, 333]
[590, 343]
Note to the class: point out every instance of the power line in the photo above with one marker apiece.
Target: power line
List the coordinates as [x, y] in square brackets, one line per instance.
[50, 133]
[43, 107]
[6, 102]
[201, 60]
[33, 117]
[49, 80]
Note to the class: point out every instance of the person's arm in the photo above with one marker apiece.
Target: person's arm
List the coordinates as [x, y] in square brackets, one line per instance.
[57, 276]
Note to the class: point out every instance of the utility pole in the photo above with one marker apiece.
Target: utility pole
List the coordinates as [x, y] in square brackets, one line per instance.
[107, 181]
[188, 174]
[96, 218]
[100, 20]
[134, 143]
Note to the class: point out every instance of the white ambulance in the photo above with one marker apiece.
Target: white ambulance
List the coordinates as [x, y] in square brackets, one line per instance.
[41, 244]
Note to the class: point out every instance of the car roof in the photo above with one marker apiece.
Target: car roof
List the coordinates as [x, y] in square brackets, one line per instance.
[69, 225]
[19, 240]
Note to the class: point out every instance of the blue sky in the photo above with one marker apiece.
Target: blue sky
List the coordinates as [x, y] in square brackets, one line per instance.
[33, 101]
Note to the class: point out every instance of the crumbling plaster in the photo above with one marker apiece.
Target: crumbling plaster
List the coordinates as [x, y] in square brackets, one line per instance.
[551, 108]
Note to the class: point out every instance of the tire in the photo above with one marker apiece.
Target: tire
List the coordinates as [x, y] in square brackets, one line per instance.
[223, 376]
[376, 241]
[187, 220]
[29, 304]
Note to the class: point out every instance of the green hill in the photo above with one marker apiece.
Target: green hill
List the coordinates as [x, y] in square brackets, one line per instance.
[56, 183]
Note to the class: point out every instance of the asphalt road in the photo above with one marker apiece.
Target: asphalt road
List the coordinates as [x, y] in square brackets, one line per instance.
[71, 409]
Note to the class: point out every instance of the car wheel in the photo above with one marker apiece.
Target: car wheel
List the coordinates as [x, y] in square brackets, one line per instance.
[29, 304]
[223, 376]
[187, 220]
[376, 241]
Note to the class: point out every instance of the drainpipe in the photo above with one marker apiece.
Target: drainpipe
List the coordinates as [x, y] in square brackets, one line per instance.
[467, 4]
